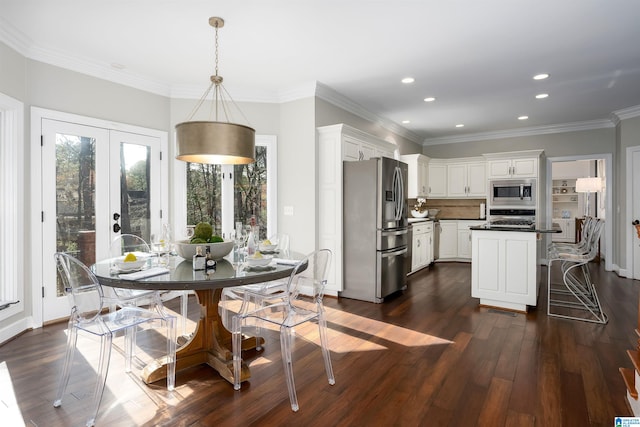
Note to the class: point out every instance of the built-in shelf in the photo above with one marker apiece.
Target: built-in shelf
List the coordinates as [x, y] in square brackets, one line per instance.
[566, 207]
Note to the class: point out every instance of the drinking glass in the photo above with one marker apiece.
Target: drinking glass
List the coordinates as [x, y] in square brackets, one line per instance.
[239, 239]
[162, 245]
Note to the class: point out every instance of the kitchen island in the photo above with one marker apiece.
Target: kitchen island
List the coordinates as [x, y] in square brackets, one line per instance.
[505, 272]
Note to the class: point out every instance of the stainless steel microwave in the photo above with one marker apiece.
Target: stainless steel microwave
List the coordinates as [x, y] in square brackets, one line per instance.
[513, 192]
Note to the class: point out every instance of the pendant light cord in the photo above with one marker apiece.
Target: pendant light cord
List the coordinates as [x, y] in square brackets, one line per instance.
[220, 93]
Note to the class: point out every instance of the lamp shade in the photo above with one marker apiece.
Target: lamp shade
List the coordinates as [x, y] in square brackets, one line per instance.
[215, 142]
[588, 185]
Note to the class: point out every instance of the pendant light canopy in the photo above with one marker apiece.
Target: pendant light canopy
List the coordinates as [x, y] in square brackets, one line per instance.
[215, 142]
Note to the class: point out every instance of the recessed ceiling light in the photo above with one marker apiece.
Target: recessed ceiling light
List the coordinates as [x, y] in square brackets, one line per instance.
[406, 121]
[459, 125]
[542, 95]
[408, 80]
[523, 117]
[541, 76]
[429, 99]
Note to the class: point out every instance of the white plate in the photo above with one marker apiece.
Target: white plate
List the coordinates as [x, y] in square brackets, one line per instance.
[267, 248]
[130, 265]
[258, 261]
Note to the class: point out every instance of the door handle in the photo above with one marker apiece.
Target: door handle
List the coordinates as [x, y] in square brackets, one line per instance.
[116, 227]
[116, 216]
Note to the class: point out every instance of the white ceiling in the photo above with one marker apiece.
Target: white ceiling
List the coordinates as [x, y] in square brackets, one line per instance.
[476, 57]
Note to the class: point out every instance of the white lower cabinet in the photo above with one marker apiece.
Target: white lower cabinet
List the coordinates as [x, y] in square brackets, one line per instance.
[422, 245]
[464, 237]
[455, 239]
[448, 239]
[568, 227]
[504, 269]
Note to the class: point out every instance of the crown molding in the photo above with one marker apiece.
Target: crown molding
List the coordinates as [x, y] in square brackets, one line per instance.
[330, 95]
[530, 131]
[14, 38]
[98, 70]
[625, 113]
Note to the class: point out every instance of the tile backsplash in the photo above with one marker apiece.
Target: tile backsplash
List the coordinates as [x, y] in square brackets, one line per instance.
[454, 208]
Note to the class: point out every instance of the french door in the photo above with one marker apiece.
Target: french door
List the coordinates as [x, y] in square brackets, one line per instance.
[96, 184]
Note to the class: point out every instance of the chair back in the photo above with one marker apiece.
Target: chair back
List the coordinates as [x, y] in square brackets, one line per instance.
[82, 287]
[282, 240]
[309, 277]
[597, 225]
[128, 243]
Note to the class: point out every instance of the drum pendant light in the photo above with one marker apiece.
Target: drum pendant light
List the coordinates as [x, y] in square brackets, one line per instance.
[215, 142]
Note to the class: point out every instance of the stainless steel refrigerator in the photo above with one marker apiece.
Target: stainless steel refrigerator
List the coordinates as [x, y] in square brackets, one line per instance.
[375, 236]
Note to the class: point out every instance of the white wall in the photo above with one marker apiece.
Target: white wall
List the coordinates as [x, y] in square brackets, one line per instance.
[628, 135]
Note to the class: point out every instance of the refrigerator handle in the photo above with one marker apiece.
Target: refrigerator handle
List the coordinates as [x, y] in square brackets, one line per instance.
[399, 193]
[393, 253]
[401, 201]
[395, 232]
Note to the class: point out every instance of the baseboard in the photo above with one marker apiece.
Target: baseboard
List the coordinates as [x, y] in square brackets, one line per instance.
[16, 328]
[622, 272]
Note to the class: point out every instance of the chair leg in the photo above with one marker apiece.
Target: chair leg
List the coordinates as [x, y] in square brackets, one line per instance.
[236, 342]
[184, 309]
[101, 380]
[72, 339]
[171, 351]
[285, 347]
[324, 343]
[129, 351]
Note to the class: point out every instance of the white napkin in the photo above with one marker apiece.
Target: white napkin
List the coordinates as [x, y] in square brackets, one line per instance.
[285, 261]
[154, 271]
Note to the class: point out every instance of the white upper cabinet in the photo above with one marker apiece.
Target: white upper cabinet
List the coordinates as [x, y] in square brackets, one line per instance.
[418, 175]
[467, 180]
[354, 150]
[437, 180]
[521, 164]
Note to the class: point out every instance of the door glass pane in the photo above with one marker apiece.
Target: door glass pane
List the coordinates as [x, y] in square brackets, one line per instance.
[75, 193]
[250, 191]
[204, 195]
[135, 212]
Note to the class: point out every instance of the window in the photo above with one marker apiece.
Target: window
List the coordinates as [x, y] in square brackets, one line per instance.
[225, 194]
[11, 190]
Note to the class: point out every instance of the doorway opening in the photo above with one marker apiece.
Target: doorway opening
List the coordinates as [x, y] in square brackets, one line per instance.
[566, 207]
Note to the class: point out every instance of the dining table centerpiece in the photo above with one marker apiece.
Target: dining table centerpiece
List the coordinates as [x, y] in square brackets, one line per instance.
[203, 236]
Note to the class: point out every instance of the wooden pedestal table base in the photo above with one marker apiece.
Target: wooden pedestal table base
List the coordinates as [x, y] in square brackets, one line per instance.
[210, 344]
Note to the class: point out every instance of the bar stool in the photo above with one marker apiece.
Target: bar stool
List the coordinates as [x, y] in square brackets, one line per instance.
[576, 294]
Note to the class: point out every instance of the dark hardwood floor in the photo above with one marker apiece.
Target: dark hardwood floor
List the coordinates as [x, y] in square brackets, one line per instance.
[427, 357]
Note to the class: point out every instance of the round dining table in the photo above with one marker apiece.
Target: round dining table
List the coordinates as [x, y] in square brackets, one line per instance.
[210, 343]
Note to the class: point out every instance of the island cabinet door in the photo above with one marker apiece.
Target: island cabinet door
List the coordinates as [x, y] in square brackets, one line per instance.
[504, 269]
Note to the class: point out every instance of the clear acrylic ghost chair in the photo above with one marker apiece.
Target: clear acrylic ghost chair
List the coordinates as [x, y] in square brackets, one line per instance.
[131, 243]
[86, 297]
[305, 290]
[575, 297]
[582, 246]
[240, 299]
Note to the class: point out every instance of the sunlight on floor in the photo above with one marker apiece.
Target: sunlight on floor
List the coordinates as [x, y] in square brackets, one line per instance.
[9, 410]
[376, 329]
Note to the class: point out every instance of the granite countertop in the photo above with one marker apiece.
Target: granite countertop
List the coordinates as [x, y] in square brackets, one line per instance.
[414, 220]
[555, 228]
